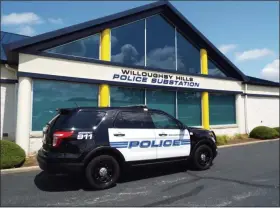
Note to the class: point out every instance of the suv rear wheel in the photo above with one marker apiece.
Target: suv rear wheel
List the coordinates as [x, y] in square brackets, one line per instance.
[202, 157]
[102, 172]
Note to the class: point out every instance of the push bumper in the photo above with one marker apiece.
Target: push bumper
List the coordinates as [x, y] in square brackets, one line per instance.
[52, 164]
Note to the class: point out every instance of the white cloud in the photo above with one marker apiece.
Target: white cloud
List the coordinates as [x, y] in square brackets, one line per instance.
[271, 71]
[58, 21]
[21, 18]
[225, 48]
[253, 54]
[26, 30]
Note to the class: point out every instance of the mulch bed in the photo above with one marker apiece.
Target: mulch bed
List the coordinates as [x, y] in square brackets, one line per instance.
[239, 141]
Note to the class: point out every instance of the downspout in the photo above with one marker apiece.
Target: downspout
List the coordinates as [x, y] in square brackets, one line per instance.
[245, 110]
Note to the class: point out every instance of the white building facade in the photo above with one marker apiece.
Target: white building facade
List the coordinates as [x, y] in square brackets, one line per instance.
[122, 60]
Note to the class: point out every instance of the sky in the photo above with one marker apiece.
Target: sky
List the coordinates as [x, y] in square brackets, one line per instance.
[247, 32]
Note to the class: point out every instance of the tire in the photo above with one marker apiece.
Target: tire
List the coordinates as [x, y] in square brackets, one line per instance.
[197, 160]
[94, 172]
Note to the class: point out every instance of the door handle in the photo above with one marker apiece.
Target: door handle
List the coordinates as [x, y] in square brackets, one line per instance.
[119, 134]
[162, 134]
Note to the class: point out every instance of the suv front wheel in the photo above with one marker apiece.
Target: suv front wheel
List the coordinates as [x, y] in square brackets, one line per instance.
[202, 157]
[102, 172]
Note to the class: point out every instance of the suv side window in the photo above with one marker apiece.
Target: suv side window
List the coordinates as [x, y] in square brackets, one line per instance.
[85, 119]
[162, 121]
[133, 120]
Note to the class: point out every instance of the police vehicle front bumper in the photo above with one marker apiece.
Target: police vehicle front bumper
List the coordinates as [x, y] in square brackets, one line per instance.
[57, 163]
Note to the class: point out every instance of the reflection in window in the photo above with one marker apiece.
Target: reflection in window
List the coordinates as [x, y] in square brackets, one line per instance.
[87, 47]
[188, 56]
[163, 100]
[49, 95]
[189, 108]
[162, 121]
[126, 96]
[214, 70]
[128, 44]
[160, 43]
[222, 109]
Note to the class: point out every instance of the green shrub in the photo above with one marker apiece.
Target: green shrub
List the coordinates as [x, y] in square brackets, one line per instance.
[222, 139]
[12, 155]
[263, 132]
[277, 129]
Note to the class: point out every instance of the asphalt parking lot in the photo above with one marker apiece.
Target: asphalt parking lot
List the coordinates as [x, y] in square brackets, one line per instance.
[241, 176]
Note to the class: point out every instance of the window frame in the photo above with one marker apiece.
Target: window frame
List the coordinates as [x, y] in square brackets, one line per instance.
[235, 123]
[99, 48]
[149, 126]
[218, 66]
[179, 124]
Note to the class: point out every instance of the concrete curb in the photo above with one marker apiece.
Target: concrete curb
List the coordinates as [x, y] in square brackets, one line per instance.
[247, 143]
[19, 170]
[25, 169]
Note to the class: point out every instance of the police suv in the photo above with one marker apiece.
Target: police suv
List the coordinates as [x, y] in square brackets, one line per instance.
[100, 142]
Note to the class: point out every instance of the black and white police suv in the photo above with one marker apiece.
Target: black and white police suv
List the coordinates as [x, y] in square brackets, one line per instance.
[100, 142]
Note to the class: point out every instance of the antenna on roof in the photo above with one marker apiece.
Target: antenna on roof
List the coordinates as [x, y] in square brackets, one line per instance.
[76, 104]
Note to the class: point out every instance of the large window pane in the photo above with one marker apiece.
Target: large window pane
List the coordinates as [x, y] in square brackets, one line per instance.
[128, 44]
[49, 95]
[87, 47]
[160, 43]
[162, 100]
[121, 96]
[214, 70]
[222, 109]
[188, 56]
[189, 108]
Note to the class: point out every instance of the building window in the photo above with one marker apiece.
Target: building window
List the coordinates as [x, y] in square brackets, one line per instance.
[121, 96]
[162, 100]
[189, 108]
[87, 48]
[222, 109]
[214, 70]
[188, 56]
[48, 95]
[160, 42]
[128, 44]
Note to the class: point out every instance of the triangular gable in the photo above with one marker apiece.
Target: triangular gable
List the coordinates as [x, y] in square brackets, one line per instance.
[45, 41]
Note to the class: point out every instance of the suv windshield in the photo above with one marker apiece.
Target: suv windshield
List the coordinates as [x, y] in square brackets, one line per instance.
[84, 119]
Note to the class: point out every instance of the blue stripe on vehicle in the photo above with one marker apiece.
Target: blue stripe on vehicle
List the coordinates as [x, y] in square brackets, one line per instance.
[118, 142]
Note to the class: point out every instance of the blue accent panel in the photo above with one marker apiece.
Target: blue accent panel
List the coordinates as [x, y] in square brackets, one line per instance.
[93, 81]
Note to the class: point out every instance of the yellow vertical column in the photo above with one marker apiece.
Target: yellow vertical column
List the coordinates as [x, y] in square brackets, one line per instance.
[105, 47]
[204, 95]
